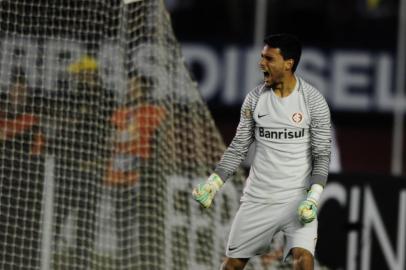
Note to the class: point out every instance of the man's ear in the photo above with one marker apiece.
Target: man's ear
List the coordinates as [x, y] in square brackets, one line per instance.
[289, 64]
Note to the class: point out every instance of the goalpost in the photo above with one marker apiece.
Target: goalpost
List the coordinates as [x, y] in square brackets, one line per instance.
[103, 135]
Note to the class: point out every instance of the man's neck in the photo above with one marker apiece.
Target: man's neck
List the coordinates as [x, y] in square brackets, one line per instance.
[286, 87]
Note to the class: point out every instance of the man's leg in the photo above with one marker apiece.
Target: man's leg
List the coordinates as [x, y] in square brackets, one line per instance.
[302, 259]
[234, 264]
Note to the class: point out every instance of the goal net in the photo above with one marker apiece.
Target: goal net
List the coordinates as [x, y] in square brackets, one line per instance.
[103, 135]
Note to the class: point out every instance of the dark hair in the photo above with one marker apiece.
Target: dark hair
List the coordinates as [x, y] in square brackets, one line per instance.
[289, 45]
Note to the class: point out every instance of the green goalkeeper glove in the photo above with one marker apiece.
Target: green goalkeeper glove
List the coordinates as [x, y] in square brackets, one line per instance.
[307, 210]
[204, 192]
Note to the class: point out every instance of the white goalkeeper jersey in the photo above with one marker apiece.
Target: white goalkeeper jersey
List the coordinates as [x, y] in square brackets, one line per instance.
[293, 140]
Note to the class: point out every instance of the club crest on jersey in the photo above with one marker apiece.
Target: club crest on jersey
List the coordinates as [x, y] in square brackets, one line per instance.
[297, 117]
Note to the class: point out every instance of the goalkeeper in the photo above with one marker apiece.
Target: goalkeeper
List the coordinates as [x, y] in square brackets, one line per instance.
[290, 122]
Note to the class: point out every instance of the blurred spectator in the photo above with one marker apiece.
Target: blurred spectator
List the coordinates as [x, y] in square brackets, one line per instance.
[21, 176]
[80, 146]
[135, 123]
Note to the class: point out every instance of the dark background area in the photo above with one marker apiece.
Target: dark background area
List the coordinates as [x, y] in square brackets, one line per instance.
[339, 23]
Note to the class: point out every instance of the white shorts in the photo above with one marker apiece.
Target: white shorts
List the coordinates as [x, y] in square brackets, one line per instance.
[255, 224]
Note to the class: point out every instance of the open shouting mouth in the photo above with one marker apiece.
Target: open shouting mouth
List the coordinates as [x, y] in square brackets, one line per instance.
[267, 76]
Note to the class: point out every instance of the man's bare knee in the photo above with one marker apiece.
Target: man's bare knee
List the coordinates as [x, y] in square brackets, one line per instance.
[302, 259]
[234, 264]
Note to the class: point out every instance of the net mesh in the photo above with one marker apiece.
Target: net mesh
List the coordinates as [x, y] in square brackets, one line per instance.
[103, 135]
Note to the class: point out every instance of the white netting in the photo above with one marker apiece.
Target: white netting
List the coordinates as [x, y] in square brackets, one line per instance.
[103, 134]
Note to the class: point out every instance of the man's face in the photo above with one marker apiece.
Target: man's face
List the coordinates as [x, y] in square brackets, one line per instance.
[273, 66]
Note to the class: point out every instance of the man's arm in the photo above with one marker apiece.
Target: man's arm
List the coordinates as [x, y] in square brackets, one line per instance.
[234, 154]
[245, 134]
[320, 133]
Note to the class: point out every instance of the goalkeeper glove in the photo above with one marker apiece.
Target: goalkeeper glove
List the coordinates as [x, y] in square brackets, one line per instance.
[204, 192]
[307, 210]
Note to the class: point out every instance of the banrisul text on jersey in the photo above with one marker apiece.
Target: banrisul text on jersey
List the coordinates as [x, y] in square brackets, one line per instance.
[280, 134]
